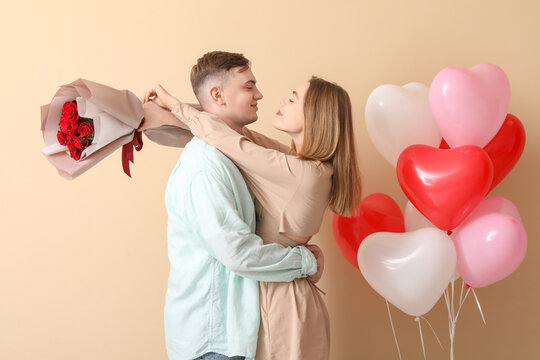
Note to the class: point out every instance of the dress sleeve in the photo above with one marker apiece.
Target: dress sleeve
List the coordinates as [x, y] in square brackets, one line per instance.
[294, 191]
[265, 141]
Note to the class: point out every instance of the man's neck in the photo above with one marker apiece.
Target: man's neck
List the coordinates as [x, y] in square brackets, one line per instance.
[233, 125]
[230, 122]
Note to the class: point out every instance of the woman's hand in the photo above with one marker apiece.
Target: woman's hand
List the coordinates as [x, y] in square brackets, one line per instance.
[160, 96]
[317, 252]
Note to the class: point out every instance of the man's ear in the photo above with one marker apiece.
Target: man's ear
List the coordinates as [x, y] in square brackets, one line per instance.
[216, 94]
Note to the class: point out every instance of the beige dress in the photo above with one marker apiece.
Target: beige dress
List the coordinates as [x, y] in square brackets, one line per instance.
[291, 197]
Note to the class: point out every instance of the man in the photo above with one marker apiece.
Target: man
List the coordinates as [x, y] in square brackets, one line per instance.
[212, 302]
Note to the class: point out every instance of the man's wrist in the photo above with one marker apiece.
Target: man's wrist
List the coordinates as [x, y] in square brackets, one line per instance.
[309, 262]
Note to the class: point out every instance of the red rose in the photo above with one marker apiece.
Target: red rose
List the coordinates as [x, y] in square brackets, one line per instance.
[61, 136]
[76, 155]
[69, 110]
[64, 123]
[77, 142]
[74, 121]
[85, 128]
[73, 151]
[72, 148]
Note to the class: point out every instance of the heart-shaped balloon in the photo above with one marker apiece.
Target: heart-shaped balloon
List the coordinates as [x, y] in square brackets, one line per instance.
[443, 145]
[491, 243]
[397, 117]
[470, 105]
[414, 219]
[506, 148]
[444, 185]
[494, 204]
[411, 270]
[378, 212]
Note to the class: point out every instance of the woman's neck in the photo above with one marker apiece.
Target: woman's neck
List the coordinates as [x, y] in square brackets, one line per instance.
[298, 140]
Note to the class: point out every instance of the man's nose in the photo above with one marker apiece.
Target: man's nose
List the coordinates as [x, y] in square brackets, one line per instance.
[258, 95]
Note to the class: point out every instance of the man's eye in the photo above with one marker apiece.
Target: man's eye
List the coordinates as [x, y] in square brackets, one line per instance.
[249, 88]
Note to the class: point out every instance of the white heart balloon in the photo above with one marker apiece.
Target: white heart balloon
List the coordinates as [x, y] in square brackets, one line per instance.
[411, 270]
[398, 117]
[414, 219]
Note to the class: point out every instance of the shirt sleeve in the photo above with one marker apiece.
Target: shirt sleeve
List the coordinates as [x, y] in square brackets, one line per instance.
[216, 220]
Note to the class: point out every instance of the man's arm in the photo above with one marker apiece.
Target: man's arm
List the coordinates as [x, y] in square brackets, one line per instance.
[211, 210]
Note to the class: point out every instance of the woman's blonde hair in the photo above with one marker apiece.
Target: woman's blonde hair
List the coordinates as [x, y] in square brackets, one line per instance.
[328, 137]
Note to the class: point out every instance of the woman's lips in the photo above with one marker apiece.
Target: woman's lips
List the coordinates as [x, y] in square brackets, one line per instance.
[279, 113]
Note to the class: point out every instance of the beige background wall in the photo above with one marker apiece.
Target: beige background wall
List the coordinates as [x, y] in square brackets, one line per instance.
[83, 264]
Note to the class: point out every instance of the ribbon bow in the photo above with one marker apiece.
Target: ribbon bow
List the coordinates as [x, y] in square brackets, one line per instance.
[127, 149]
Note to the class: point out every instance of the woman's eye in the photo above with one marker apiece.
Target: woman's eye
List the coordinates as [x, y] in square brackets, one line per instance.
[290, 100]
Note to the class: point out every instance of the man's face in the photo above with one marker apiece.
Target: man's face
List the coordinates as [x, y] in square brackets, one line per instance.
[241, 95]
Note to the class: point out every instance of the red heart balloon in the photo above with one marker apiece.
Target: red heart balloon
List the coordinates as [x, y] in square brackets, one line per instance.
[378, 213]
[445, 185]
[443, 145]
[506, 148]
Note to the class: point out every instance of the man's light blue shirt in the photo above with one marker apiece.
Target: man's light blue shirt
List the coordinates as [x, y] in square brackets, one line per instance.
[212, 301]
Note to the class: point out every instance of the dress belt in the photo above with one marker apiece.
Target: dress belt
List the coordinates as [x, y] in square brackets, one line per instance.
[316, 287]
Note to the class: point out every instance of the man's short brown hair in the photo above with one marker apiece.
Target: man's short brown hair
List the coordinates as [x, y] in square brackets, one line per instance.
[214, 63]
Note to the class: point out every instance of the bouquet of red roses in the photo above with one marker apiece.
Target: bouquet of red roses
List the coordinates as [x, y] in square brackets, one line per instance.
[76, 132]
[87, 121]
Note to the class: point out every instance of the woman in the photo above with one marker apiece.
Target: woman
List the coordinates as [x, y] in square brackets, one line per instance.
[293, 187]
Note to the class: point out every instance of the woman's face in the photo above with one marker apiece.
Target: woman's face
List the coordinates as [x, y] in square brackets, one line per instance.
[290, 116]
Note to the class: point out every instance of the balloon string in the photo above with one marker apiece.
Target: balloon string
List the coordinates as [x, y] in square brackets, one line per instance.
[451, 322]
[417, 319]
[446, 299]
[393, 330]
[461, 304]
[452, 331]
[452, 303]
[433, 330]
[461, 295]
[479, 307]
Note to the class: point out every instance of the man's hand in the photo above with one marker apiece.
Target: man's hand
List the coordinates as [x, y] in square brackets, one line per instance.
[319, 256]
[160, 96]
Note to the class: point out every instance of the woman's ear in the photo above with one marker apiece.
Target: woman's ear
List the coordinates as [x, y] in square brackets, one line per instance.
[216, 94]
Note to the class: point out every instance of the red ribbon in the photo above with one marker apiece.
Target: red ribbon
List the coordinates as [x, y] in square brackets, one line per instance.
[127, 149]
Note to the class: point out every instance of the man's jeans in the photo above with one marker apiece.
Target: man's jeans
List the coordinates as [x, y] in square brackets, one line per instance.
[215, 356]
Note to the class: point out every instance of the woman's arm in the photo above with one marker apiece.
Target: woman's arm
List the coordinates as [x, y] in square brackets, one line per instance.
[265, 141]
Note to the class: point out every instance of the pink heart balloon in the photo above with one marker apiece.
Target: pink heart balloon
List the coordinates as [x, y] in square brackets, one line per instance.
[470, 105]
[491, 243]
[496, 204]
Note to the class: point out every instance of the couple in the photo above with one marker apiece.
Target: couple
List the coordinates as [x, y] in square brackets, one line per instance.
[221, 243]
